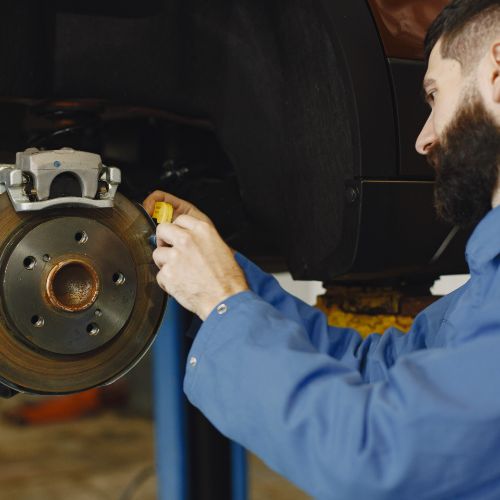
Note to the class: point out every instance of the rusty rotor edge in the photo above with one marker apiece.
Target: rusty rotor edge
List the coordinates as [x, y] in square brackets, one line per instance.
[133, 224]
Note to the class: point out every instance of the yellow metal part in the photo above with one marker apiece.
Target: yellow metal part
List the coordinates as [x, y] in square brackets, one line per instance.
[163, 212]
[365, 324]
[372, 309]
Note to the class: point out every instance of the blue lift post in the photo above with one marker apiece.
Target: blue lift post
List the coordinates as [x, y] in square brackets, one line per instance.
[170, 415]
[170, 418]
[239, 472]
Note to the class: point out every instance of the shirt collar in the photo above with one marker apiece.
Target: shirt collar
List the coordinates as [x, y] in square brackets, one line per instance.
[484, 244]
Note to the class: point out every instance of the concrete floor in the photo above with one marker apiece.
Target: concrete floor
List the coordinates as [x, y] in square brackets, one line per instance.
[97, 458]
[91, 459]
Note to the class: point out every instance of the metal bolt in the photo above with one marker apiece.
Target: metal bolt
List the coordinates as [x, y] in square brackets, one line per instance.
[102, 189]
[193, 361]
[351, 194]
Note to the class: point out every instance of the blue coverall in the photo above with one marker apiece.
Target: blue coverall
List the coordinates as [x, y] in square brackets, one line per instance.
[395, 416]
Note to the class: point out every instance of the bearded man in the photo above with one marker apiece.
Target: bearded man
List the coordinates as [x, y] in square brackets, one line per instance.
[394, 416]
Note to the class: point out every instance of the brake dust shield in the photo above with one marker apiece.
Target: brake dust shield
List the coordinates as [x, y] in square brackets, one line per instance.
[79, 300]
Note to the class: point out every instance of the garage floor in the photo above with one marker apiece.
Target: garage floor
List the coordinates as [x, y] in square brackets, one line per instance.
[108, 457]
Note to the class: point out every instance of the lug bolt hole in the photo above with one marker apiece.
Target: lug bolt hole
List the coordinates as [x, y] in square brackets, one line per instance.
[118, 279]
[93, 329]
[46, 258]
[81, 237]
[29, 263]
[37, 321]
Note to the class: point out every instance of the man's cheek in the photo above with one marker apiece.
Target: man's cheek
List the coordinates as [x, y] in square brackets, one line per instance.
[446, 108]
[441, 121]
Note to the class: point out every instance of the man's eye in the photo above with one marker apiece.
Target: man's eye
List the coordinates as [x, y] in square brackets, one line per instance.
[430, 97]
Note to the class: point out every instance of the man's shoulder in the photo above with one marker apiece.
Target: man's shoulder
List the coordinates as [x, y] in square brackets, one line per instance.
[432, 320]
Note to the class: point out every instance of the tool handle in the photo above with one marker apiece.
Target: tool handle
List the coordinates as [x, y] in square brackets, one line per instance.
[163, 212]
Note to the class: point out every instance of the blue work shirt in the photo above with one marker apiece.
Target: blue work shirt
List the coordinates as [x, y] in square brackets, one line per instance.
[393, 416]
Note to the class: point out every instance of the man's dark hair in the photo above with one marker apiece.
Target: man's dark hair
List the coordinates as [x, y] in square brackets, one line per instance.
[465, 27]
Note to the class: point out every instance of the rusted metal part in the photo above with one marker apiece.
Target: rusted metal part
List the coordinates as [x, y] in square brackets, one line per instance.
[403, 24]
[98, 343]
[376, 300]
[72, 285]
[371, 309]
[28, 263]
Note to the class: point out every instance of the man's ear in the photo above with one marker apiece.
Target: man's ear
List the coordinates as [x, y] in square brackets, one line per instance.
[495, 76]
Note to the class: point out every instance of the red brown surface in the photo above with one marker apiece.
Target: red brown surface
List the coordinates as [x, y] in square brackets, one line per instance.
[403, 24]
[56, 409]
[72, 285]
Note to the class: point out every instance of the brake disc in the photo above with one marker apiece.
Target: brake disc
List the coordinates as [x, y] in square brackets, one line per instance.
[79, 300]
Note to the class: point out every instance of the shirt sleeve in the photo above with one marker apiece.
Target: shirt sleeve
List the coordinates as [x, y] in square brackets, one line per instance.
[428, 429]
[373, 356]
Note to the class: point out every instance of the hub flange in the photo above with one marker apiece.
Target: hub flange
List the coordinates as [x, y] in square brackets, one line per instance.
[60, 290]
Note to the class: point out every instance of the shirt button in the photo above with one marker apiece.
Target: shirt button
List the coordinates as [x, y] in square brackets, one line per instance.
[193, 361]
[221, 309]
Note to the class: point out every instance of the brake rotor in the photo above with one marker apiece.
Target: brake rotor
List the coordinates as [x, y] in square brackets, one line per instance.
[79, 300]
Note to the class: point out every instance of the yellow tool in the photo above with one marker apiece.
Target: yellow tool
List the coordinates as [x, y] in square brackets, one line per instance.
[163, 212]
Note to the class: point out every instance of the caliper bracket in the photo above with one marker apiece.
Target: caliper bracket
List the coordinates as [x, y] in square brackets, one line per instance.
[28, 182]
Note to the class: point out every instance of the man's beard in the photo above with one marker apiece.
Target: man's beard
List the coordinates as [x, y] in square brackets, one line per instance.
[466, 163]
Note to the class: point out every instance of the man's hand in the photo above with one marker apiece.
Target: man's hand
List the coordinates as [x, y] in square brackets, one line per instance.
[196, 267]
[181, 207]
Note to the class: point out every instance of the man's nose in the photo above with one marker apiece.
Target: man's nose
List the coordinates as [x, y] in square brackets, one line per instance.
[426, 139]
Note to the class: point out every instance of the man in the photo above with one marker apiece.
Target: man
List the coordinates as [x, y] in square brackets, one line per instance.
[395, 416]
